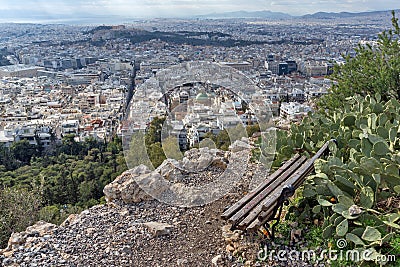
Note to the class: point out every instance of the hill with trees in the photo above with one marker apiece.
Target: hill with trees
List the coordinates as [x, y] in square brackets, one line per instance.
[49, 186]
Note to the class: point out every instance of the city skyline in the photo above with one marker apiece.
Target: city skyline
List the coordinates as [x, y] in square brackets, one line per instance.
[180, 8]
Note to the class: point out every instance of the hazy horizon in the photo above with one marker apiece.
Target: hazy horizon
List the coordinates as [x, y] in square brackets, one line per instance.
[23, 10]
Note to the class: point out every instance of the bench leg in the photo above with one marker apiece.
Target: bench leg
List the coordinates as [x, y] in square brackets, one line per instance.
[287, 192]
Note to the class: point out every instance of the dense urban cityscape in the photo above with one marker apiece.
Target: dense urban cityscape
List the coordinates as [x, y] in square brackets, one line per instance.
[78, 79]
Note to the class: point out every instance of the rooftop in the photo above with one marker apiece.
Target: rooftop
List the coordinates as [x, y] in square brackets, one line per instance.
[19, 67]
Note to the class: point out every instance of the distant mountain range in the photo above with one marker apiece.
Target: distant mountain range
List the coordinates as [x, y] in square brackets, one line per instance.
[266, 14]
[248, 14]
[44, 17]
[333, 15]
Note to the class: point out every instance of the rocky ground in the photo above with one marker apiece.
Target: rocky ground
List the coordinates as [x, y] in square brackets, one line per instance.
[117, 235]
[133, 229]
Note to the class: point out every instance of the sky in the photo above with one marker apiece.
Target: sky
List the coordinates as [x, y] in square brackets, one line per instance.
[183, 8]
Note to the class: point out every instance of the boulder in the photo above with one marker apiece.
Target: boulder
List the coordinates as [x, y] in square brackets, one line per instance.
[169, 169]
[132, 193]
[189, 165]
[238, 146]
[204, 161]
[220, 163]
[196, 160]
[70, 220]
[41, 228]
[125, 187]
[192, 153]
[158, 229]
[216, 260]
[16, 239]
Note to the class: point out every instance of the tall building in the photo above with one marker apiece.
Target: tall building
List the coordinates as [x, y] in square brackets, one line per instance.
[278, 68]
[292, 66]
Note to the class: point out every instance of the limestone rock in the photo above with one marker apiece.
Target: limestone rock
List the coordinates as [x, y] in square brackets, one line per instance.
[216, 260]
[15, 240]
[204, 161]
[239, 145]
[182, 262]
[194, 160]
[70, 220]
[158, 229]
[168, 169]
[125, 187]
[189, 165]
[115, 235]
[41, 228]
[220, 163]
[230, 248]
[230, 236]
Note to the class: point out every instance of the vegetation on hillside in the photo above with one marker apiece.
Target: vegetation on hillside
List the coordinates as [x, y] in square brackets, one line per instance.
[3, 57]
[356, 189]
[355, 193]
[50, 186]
[375, 69]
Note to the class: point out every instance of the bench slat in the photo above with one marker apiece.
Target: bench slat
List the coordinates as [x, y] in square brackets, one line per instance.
[268, 205]
[257, 207]
[252, 213]
[238, 205]
[296, 180]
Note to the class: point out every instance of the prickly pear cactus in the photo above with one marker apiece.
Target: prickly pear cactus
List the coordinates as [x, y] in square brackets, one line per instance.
[353, 187]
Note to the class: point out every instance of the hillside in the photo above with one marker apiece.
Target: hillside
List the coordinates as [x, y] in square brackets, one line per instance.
[266, 14]
[248, 14]
[132, 229]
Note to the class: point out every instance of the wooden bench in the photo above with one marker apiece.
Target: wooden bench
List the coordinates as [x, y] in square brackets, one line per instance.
[265, 203]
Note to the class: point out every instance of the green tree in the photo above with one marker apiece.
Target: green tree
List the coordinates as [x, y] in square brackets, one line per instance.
[156, 154]
[89, 190]
[115, 145]
[23, 151]
[223, 140]
[19, 208]
[49, 213]
[153, 134]
[6, 157]
[136, 154]
[251, 129]
[170, 146]
[58, 213]
[66, 181]
[69, 145]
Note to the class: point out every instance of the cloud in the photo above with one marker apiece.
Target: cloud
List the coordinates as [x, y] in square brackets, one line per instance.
[143, 8]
